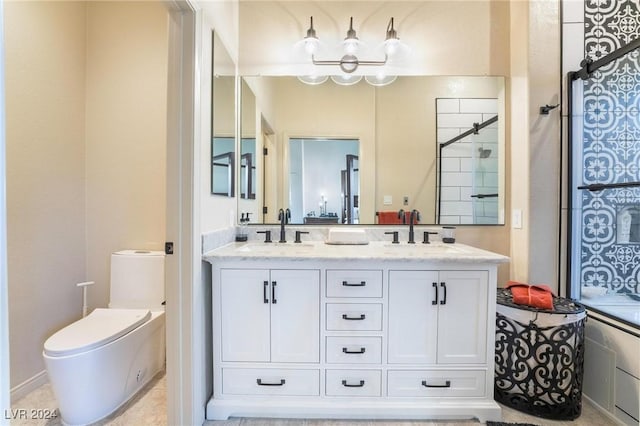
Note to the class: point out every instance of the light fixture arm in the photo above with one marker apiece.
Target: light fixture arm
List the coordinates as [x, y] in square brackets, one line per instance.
[348, 63]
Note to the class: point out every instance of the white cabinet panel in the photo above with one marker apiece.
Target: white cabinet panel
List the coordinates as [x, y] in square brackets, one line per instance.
[462, 324]
[270, 381]
[438, 317]
[295, 316]
[353, 382]
[436, 383]
[412, 317]
[353, 349]
[354, 316]
[270, 315]
[354, 283]
[245, 321]
[628, 393]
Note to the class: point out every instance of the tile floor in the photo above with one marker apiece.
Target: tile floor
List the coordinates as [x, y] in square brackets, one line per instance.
[147, 408]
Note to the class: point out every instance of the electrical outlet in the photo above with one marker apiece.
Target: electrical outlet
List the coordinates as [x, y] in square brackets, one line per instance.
[405, 201]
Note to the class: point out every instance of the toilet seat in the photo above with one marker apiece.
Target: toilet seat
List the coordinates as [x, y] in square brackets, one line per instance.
[96, 329]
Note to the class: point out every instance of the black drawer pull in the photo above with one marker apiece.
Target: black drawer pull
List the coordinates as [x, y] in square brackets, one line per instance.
[360, 284]
[444, 300]
[347, 385]
[346, 317]
[435, 300]
[273, 292]
[347, 351]
[447, 384]
[264, 292]
[261, 383]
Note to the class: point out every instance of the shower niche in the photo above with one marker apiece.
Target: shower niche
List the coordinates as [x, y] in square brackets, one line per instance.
[628, 224]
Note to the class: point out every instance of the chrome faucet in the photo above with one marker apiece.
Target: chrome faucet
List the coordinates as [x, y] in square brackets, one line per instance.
[413, 217]
[283, 217]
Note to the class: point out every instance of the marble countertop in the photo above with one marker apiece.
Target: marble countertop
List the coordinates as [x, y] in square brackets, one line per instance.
[375, 250]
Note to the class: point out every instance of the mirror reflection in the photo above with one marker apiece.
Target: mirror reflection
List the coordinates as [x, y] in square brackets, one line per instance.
[323, 181]
[223, 157]
[468, 167]
[398, 164]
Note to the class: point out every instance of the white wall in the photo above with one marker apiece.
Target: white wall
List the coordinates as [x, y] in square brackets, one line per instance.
[86, 122]
[216, 212]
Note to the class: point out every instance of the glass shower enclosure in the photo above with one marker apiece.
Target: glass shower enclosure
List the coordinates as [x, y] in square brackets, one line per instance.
[604, 184]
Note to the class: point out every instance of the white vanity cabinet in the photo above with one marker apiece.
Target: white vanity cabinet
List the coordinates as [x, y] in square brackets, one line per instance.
[270, 315]
[438, 317]
[353, 332]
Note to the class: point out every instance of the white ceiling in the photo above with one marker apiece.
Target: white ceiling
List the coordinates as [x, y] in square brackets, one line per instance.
[443, 37]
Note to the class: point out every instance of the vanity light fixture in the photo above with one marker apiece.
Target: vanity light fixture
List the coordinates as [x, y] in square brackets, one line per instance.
[349, 62]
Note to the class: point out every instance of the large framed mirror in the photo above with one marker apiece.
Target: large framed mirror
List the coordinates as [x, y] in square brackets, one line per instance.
[399, 162]
[223, 138]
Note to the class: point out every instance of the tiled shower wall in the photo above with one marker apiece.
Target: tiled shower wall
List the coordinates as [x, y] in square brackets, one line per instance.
[464, 171]
[606, 231]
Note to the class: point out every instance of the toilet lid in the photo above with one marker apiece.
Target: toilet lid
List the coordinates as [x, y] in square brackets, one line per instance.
[96, 329]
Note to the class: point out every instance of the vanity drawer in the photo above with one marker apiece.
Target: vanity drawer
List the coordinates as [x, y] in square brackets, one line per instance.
[440, 383]
[267, 381]
[361, 350]
[353, 382]
[354, 316]
[354, 283]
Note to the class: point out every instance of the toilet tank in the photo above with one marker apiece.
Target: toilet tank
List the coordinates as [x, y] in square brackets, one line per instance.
[137, 279]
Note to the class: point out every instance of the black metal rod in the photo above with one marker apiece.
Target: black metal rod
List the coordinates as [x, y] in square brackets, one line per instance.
[600, 186]
[472, 131]
[590, 66]
[569, 243]
[484, 195]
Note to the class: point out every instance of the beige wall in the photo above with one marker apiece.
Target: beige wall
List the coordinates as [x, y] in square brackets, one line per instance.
[126, 133]
[45, 124]
[86, 114]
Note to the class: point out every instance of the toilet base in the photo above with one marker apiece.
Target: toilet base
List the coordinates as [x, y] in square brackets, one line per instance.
[90, 386]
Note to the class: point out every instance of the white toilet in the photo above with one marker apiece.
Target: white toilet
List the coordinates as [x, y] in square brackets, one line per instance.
[98, 363]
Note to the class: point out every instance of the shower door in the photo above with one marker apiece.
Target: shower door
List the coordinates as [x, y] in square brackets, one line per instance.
[604, 187]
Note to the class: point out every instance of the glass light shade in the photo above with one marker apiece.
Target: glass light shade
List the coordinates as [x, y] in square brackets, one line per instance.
[391, 46]
[313, 80]
[311, 45]
[351, 46]
[346, 79]
[380, 79]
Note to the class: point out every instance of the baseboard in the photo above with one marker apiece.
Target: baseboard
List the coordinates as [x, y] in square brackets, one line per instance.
[602, 410]
[28, 386]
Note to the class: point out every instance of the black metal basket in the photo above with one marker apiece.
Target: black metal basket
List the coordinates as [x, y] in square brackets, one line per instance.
[539, 357]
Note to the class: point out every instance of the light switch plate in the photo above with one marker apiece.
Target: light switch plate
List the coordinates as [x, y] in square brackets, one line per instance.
[387, 200]
[516, 219]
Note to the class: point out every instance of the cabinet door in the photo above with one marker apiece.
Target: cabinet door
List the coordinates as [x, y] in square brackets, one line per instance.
[412, 317]
[295, 316]
[245, 315]
[462, 317]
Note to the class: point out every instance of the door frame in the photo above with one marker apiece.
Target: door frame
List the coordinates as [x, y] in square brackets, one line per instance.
[183, 267]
